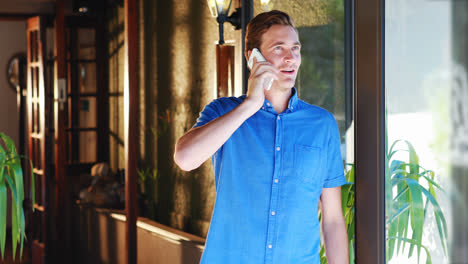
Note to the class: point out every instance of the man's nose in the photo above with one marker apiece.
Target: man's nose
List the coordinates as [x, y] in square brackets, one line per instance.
[290, 56]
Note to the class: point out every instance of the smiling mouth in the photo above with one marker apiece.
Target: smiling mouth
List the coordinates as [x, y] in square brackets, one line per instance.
[288, 71]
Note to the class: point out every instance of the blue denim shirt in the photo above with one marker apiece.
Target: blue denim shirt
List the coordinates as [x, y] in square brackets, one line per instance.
[269, 177]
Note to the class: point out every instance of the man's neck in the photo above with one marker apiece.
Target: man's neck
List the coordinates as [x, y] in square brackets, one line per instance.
[279, 98]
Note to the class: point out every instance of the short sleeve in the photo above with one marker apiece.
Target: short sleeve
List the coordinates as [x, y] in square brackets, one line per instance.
[209, 113]
[335, 171]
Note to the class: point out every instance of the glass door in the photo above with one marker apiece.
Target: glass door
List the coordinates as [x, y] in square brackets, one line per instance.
[426, 90]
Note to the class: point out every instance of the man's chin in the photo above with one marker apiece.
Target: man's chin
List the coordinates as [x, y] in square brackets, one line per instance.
[287, 84]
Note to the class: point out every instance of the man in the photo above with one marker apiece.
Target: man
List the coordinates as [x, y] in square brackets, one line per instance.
[274, 158]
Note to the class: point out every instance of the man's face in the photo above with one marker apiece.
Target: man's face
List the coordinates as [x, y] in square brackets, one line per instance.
[281, 47]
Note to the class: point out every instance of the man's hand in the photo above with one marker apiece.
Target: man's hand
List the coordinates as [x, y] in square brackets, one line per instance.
[259, 73]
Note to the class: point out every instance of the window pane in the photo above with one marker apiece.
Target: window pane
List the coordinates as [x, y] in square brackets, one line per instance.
[426, 60]
[88, 112]
[86, 47]
[88, 147]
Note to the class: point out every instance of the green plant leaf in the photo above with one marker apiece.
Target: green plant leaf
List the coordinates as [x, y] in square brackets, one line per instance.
[351, 227]
[392, 231]
[2, 163]
[345, 189]
[440, 219]
[413, 159]
[11, 183]
[350, 174]
[3, 215]
[16, 170]
[402, 229]
[432, 182]
[9, 143]
[22, 232]
[401, 193]
[416, 212]
[416, 243]
[391, 148]
[351, 251]
[2, 170]
[396, 164]
[399, 212]
[11, 177]
[14, 229]
[402, 222]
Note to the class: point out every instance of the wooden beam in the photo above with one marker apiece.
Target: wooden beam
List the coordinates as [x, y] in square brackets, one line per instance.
[62, 201]
[131, 126]
[15, 17]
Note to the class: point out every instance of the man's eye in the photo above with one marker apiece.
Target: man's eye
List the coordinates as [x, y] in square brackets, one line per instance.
[296, 48]
[278, 48]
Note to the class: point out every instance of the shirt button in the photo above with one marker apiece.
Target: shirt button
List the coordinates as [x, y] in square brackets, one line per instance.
[278, 148]
[273, 213]
[270, 246]
[263, 108]
[276, 180]
[268, 104]
[279, 118]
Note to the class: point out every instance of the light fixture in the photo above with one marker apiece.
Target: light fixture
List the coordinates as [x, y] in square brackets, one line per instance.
[265, 3]
[220, 10]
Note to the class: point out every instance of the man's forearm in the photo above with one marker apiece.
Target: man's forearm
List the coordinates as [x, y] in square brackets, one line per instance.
[200, 143]
[336, 242]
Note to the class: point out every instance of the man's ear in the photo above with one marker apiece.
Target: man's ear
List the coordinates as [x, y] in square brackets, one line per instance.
[248, 55]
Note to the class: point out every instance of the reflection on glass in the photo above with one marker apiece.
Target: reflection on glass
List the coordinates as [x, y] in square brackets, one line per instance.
[321, 80]
[87, 77]
[426, 62]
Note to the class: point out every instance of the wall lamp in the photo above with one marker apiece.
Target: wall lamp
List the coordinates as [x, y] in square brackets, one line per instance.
[220, 10]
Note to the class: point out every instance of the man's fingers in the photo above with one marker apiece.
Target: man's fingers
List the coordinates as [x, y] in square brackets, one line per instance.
[266, 74]
[262, 66]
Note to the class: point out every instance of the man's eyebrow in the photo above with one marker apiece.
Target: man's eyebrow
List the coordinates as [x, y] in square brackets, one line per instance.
[282, 43]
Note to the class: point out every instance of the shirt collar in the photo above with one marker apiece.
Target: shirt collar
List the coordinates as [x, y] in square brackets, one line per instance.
[292, 105]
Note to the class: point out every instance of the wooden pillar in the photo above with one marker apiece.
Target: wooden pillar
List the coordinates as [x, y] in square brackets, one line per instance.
[246, 16]
[369, 132]
[131, 126]
[61, 213]
[224, 70]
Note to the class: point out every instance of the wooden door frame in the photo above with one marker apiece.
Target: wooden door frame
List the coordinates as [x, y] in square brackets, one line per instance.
[39, 24]
[369, 131]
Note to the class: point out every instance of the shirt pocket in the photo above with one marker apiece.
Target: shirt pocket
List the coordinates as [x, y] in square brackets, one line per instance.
[308, 164]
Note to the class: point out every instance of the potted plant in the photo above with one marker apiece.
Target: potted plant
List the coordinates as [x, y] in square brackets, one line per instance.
[407, 201]
[405, 208]
[11, 178]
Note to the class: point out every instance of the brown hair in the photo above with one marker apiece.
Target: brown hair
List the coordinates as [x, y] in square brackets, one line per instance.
[260, 24]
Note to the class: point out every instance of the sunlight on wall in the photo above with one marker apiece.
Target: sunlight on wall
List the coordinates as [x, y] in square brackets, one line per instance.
[116, 86]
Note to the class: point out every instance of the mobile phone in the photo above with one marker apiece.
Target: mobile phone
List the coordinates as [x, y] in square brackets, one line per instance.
[256, 54]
